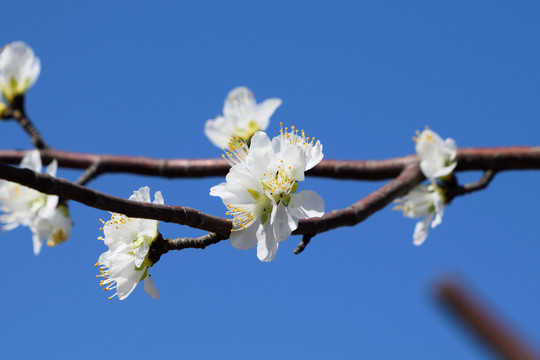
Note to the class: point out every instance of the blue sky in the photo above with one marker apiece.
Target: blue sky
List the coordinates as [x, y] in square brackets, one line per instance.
[138, 79]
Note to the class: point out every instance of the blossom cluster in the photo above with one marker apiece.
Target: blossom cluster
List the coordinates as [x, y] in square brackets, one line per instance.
[437, 162]
[260, 191]
[126, 262]
[45, 215]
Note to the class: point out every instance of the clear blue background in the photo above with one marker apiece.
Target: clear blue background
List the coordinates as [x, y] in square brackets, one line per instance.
[141, 78]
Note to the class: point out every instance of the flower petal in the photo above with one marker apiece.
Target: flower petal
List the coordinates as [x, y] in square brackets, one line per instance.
[306, 204]
[247, 238]
[283, 223]
[267, 245]
[421, 230]
[150, 287]
[265, 110]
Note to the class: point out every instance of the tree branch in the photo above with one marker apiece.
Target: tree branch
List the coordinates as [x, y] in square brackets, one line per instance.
[18, 113]
[483, 323]
[496, 159]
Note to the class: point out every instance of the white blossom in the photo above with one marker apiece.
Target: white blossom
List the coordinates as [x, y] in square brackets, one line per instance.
[437, 156]
[126, 262]
[426, 202]
[19, 69]
[242, 117]
[260, 194]
[28, 207]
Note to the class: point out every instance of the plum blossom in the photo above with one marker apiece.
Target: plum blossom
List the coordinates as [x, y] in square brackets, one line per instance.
[426, 202]
[19, 69]
[437, 156]
[42, 213]
[126, 263]
[260, 192]
[242, 117]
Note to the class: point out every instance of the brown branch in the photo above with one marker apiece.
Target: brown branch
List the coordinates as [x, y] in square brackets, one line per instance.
[18, 113]
[68, 190]
[162, 245]
[352, 215]
[496, 159]
[189, 168]
[409, 177]
[491, 330]
[196, 219]
[453, 189]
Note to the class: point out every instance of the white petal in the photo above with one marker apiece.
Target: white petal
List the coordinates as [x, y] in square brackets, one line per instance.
[247, 238]
[421, 230]
[239, 101]
[315, 155]
[267, 245]
[295, 157]
[150, 288]
[51, 169]
[306, 204]
[283, 223]
[260, 140]
[140, 254]
[37, 242]
[158, 198]
[141, 195]
[219, 131]
[265, 110]
[32, 161]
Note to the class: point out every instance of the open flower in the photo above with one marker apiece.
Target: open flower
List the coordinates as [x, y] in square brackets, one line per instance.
[19, 69]
[242, 117]
[260, 195]
[126, 262]
[426, 202]
[437, 156]
[28, 207]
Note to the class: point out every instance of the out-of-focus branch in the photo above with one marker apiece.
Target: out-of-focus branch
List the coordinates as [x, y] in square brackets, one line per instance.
[18, 113]
[456, 190]
[483, 323]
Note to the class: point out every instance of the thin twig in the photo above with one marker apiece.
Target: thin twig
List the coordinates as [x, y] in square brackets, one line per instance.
[456, 190]
[491, 330]
[303, 243]
[90, 173]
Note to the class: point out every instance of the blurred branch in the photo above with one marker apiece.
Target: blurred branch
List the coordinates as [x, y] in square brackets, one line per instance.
[490, 329]
[482, 183]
